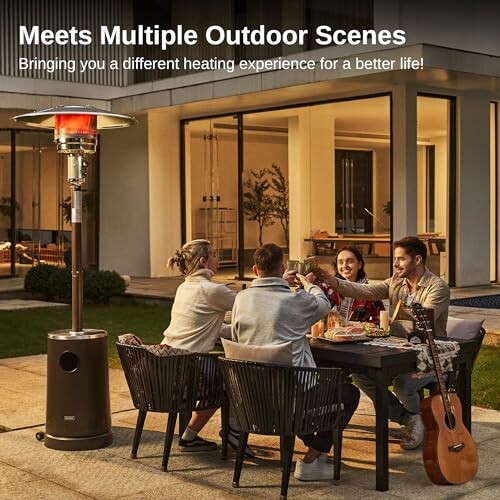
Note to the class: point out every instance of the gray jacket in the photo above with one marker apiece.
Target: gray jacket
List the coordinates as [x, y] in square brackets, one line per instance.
[269, 312]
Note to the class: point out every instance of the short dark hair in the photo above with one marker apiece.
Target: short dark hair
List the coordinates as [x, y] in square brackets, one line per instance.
[359, 257]
[268, 258]
[412, 246]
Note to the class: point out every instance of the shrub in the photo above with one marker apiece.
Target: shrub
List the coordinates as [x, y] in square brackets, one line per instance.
[37, 279]
[60, 283]
[100, 286]
[53, 282]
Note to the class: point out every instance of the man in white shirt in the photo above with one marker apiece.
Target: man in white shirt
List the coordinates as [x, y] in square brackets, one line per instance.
[269, 312]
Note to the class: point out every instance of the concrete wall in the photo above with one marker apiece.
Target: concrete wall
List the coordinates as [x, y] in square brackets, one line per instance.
[164, 189]
[321, 166]
[299, 154]
[404, 140]
[473, 190]
[471, 26]
[124, 236]
[494, 190]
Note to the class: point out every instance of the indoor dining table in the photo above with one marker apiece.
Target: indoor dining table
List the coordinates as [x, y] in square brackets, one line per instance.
[383, 364]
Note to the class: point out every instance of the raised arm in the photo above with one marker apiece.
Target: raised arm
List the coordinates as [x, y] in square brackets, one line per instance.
[370, 291]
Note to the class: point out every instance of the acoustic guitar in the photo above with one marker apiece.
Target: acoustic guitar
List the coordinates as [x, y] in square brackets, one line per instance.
[449, 452]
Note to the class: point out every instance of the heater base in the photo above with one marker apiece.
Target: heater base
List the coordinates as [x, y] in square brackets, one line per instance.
[78, 443]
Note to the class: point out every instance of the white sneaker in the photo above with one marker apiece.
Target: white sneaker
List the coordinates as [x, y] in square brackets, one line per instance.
[413, 433]
[318, 470]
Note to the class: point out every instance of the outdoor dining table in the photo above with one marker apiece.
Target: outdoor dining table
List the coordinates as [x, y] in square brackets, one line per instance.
[383, 364]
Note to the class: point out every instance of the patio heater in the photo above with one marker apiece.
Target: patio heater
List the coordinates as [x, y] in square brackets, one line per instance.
[78, 410]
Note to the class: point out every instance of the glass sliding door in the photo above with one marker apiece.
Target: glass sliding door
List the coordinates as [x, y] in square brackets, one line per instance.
[41, 231]
[8, 205]
[211, 176]
[433, 167]
[362, 180]
[36, 227]
[333, 163]
[265, 201]
[307, 173]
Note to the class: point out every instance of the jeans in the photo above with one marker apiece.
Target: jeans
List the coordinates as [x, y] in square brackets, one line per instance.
[404, 403]
[323, 440]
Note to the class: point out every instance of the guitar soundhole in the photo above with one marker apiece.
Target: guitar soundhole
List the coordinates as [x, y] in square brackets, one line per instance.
[450, 421]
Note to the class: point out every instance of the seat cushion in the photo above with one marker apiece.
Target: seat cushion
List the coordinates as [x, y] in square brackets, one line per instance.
[164, 350]
[156, 349]
[129, 339]
[463, 328]
[277, 354]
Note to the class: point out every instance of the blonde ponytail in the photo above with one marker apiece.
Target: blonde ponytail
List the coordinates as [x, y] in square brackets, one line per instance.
[188, 258]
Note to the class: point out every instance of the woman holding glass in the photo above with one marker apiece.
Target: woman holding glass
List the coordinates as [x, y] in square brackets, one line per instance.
[349, 265]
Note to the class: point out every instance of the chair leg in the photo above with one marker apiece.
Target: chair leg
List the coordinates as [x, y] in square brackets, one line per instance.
[141, 417]
[242, 444]
[184, 419]
[225, 426]
[337, 451]
[286, 452]
[169, 436]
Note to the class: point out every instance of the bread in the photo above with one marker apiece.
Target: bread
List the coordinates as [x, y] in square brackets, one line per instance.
[342, 337]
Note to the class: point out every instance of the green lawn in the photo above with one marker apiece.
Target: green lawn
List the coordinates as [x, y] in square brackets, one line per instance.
[485, 379]
[25, 331]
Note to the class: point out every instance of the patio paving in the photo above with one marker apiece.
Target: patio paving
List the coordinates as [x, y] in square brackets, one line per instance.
[30, 470]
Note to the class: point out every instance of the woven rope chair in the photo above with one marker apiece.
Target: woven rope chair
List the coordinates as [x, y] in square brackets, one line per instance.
[284, 401]
[173, 384]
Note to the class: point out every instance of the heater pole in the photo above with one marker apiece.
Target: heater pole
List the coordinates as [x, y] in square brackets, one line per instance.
[76, 258]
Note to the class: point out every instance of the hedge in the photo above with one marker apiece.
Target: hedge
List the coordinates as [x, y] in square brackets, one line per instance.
[55, 283]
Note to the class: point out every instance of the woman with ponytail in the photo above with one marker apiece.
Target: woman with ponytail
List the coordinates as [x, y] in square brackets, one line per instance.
[200, 304]
[197, 320]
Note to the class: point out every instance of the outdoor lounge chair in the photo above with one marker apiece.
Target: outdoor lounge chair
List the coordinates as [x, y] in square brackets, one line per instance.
[465, 329]
[166, 380]
[285, 401]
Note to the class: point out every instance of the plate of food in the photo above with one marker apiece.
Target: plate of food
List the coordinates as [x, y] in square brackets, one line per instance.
[344, 335]
[374, 332]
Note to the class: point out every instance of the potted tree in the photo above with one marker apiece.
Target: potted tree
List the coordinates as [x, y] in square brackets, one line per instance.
[280, 195]
[257, 202]
[6, 205]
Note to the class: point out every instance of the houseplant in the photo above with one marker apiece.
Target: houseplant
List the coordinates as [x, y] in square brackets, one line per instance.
[257, 202]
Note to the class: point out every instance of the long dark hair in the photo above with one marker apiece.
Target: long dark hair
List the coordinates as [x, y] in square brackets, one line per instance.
[359, 257]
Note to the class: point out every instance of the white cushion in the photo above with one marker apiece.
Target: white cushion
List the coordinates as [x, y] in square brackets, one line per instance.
[276, 354]
[463, 328]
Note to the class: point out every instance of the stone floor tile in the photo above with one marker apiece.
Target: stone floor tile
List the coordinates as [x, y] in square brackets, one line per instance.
[40, 490]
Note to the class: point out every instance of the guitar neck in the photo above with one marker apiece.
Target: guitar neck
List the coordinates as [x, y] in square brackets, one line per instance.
[437, 367]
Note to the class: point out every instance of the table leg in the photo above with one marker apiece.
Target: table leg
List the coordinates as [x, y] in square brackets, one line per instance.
[381, 434]
[464, 391]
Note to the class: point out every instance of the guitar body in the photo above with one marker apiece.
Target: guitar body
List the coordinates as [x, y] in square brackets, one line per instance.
[450, 455]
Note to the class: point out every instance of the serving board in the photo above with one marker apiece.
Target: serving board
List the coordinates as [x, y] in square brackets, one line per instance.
[360, 338]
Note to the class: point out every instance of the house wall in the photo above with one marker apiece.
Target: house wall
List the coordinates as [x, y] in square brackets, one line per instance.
[164, 189]
[124, 232]
[473, 191]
